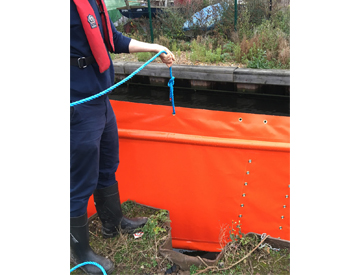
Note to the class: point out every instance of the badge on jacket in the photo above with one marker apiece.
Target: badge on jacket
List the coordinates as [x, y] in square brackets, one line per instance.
[91, 21]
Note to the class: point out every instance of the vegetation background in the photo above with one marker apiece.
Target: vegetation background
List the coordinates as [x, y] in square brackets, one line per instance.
[259, 39]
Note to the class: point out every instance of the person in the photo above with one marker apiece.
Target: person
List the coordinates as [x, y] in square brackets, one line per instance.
[94, 143]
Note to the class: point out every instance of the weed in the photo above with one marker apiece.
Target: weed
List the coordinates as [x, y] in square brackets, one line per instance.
[170, 23]
[242, 255]
[284, 53]
[258, 10]
[130, 255]
[205, 54]
[174, 47]
[237, 52]
[184, 46]
[226, 57]
[144, 56]
[155, 224]
[258, 60]
[140, 256]
[198, 53]
[281, 20]
[193, 269]
[213, 56]
[229, 47]
[163, 40]
[245, 26]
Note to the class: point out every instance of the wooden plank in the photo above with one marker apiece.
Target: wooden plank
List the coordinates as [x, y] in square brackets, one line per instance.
[262, 76]
[156, 70]
[119, 68]
[208, 73]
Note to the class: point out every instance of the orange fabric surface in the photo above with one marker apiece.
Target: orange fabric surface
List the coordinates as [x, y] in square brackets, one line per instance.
[195, 164]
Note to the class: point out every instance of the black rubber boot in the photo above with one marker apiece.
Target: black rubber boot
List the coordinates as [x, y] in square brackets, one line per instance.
[80, 250]
[108, 207]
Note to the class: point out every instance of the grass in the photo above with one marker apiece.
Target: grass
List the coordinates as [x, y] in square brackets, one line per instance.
[130, 255]
[246, 254]
[241, 253]
[260, 261]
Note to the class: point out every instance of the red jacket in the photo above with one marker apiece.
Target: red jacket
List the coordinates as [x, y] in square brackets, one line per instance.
[94, 78]
[92, 31]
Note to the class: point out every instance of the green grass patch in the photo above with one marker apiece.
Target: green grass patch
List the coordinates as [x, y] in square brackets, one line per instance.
[241, 253]
[130, 255]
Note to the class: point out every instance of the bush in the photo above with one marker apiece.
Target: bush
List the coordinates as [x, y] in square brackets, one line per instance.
[213, 56]
[162, 40]
[226, 26]
[184, 46]
[237, 53]
[244, 27]
[258, 10]
[198, 52]
[226, 57]
[258, 60]
[144, 56]
[281, 20]
[169, 23]
[204, 54]
[229, 47]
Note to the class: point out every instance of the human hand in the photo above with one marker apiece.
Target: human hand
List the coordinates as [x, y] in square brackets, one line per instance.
[167, 58]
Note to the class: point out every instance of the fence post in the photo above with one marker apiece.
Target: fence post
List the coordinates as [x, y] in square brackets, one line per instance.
[235, 15]
[151, 28]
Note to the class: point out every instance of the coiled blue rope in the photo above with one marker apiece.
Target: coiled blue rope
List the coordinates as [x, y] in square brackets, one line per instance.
[93, 263]
[170, 84]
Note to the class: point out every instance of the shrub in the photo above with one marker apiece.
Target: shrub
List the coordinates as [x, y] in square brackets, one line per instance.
[204, 54]
[144, 56]
[229, 47]
[184, 46]
[258, 60]
[226, 57]
[258, 10]
[173, 47]
[281, 20]
[169, 23]
[226, 26]
[162, 40]
[213, 56]
[284, 53]
[244, 27]
[237, 53]
[198, 52]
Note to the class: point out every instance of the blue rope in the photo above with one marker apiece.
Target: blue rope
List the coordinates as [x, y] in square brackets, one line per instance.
[170, 84]
[93, 263]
